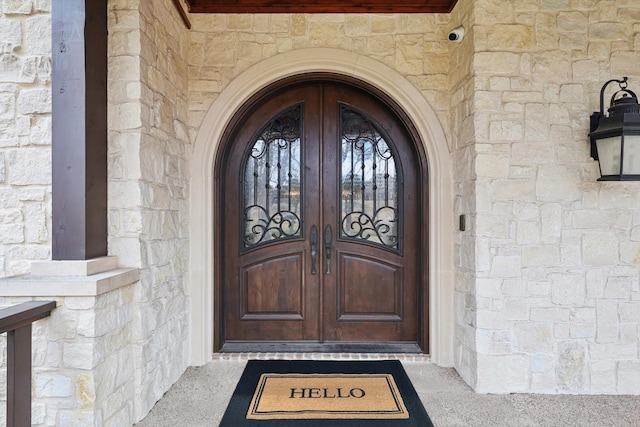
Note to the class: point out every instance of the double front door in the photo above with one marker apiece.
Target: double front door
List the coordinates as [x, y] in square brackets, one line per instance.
[321, 225]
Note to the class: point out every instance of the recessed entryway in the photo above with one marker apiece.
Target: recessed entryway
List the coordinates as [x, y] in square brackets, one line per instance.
[204, 202]
[322, 242]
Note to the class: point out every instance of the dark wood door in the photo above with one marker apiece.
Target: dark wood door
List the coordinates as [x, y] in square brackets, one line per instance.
[321, 229]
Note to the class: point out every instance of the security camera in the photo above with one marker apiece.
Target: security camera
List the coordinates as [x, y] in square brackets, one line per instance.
[456, 35]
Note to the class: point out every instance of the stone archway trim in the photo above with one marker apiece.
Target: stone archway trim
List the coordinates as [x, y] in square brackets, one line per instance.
[202, 204]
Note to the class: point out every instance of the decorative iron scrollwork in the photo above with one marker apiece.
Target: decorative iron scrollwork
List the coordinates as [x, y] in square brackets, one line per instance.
[380, 229]
[263, 228]
[272, 177]
[369, 181]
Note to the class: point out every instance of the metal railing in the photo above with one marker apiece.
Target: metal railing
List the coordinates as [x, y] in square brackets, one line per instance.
[16, 321]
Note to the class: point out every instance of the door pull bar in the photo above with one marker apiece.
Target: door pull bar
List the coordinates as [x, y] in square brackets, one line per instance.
[327, 247]
[313, 238]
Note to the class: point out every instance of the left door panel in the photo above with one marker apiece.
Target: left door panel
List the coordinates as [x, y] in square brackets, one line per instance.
[269, 291]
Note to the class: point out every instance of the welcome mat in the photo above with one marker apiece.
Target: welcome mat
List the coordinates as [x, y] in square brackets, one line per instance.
[325, 393]
[332, 396]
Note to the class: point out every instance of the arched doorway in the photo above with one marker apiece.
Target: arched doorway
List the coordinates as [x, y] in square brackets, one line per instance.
[322, 243]
[204, 202]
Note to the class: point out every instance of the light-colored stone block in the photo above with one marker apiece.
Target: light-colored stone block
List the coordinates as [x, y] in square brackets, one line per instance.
[571, 366]
[572, 93]
[603, 375]
[607, 321]
[19, 7]
[618, 287]
[551, 65]
[609, 31]
[80, 355]
[37, 35]
[536, 122]
[30, 167]
[543, 255]
[506, 266]
[582, 330]
[534, 337]
[541, 363]
[557, 183]
[629, 311]
[506, 130]
[489, 320]
[516, 309]
[629, 377]
[600, 248]
[492, 165]
[567, 289]
[630, 253]
[497, 373]
[53, 385]
[612, 352]
[494, 342]
[76, 418]
[549, 314]
[34, 101]
[512, 189]
[572, 21]
[496, 63]
[551, 222]
[12, 37]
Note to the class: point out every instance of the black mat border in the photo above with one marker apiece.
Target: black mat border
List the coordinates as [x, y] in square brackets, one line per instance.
[236, 411]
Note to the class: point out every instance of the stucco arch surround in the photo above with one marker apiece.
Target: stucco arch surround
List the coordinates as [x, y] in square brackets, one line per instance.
[203, 205]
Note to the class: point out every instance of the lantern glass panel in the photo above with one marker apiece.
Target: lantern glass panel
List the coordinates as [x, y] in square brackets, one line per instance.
[609, 155]
[631, 162]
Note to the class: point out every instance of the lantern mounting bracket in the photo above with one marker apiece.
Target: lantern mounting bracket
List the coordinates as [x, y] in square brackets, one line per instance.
[623, 85]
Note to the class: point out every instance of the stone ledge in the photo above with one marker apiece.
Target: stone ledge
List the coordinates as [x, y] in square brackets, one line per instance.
[74, 268]
[30, 285]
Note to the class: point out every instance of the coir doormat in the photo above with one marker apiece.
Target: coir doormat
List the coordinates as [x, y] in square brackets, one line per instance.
[325, 393]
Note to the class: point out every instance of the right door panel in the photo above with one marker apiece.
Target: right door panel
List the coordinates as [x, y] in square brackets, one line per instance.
[371, 202]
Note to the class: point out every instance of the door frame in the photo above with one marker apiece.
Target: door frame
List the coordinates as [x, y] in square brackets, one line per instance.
[440, 187]
[229, 138]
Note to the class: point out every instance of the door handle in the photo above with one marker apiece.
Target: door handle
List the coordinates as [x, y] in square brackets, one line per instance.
[313, 238]
[328, 236]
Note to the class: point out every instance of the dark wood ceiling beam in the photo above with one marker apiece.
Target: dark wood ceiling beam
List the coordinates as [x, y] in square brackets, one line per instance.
[320, 6]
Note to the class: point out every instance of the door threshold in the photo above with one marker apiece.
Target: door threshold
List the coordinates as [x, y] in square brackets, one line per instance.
[315, 347]
[244, 357]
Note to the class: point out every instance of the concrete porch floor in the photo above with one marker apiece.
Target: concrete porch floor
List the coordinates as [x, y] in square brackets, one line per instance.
[201, 396]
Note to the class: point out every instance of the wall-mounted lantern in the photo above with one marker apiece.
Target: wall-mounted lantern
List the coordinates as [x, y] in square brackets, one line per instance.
[615, 139]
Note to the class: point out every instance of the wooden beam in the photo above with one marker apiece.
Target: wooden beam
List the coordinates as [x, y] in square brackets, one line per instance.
[181, 10]
[320, 6]
[79, 129]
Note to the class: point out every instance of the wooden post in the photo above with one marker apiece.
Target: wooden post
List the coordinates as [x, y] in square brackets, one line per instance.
[79, 129]
[19, 377]
[16, 321]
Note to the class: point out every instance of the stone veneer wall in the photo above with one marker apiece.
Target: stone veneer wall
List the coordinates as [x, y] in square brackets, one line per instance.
[223, 46]
[25, 134]
[556, 298]
[83, 374]
[148, 184]
[462, 150]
